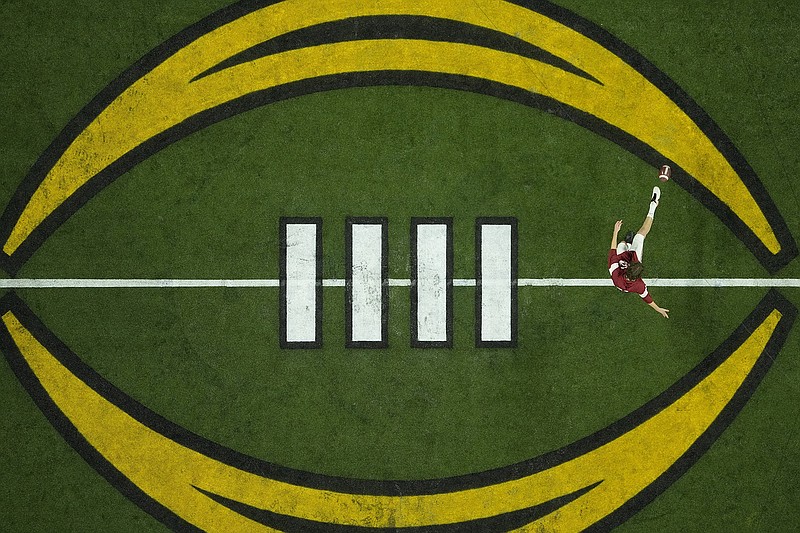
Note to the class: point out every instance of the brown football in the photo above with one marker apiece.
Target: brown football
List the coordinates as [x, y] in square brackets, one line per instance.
[664, 173]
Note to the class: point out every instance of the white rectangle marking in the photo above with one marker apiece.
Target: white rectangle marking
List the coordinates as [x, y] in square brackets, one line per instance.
[367, 285]
[301, 282]
[495, 282]
[432, 282]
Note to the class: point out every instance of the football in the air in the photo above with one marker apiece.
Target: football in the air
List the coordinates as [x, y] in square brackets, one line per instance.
[664, 173]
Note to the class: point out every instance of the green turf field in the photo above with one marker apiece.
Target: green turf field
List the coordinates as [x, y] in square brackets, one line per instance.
[208, 206]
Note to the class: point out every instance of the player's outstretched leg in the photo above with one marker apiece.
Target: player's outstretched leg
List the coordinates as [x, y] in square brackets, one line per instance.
[638, 241]
[651, 213]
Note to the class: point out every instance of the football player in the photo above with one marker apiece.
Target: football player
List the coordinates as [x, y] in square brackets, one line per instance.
[625, 258]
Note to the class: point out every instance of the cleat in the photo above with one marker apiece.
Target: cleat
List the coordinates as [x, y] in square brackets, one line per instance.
[629, 237]
[656, 195]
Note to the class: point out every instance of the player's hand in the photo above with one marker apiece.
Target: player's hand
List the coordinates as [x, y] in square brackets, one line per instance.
[618, 225]
[663, 312]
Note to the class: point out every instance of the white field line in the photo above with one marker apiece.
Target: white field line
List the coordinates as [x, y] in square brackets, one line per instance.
[394, 282]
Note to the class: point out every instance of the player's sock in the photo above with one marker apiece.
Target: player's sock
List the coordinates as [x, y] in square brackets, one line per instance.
[654, 202]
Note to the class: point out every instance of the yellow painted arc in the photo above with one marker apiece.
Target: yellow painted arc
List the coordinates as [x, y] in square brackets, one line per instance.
[648, 450]
[164, 97]
[167, 471]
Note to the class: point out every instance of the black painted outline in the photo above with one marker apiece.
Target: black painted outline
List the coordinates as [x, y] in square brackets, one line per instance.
[772, 300]
[497, 221]
[415, 223]
[771, 262]
[77, 124]
[383, 222]
[11, 302]
[285, 344]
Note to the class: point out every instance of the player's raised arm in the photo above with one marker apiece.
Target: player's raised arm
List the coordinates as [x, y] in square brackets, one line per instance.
[617, 227]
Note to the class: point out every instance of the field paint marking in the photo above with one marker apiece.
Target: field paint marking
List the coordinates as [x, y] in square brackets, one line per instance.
[95, 283]
[366, 283]
[301, 282]
[430, 308]
[494, 250]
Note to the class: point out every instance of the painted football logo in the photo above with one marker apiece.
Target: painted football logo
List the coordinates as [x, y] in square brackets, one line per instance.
[257, 53]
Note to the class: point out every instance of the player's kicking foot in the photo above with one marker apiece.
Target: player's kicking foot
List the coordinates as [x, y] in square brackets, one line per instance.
[651, 213]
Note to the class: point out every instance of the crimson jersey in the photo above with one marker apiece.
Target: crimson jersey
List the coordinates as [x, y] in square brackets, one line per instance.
[617, 264]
